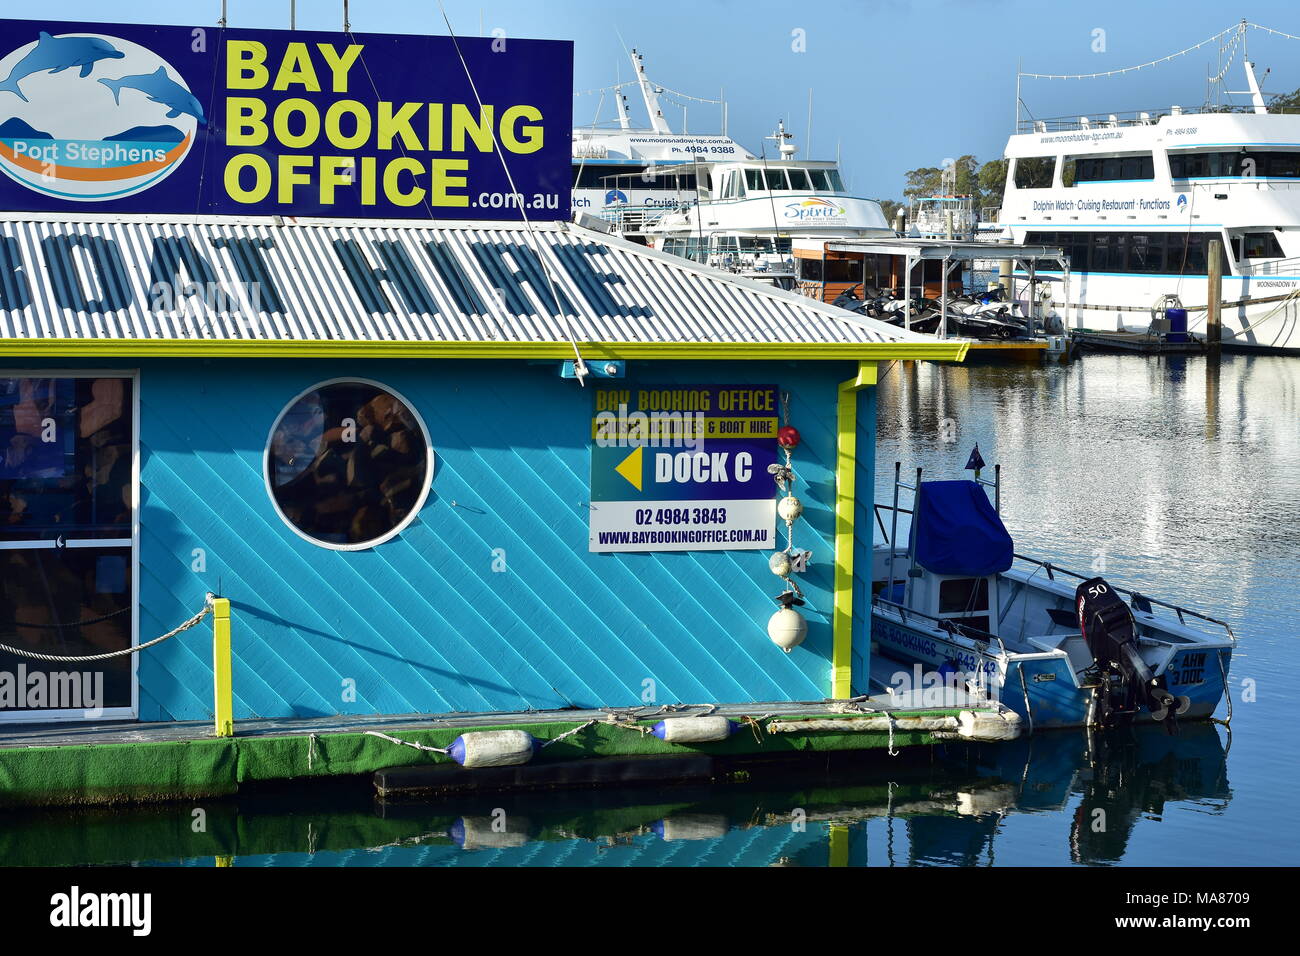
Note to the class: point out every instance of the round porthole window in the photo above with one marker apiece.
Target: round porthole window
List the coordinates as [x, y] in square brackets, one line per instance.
[348, 464]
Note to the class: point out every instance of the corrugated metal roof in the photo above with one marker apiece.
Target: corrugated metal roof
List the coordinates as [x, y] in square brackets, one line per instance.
[90, 278]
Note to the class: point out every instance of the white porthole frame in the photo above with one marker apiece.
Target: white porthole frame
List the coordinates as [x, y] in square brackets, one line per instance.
[424, 490]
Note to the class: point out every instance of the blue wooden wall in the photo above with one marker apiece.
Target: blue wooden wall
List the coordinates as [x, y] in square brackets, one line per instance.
[422, 623]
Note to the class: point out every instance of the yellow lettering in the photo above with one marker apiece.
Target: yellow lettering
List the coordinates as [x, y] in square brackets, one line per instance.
[311, 123]
[368, 180]
[333, 129]
[463, 123]
[435, 127]
[245, 121]
[397, 124]
[287, 176]
[333, 174]
[442, 182]
[296, 69]
[245, 65]
[532, 140]
[340, 64]
[261, 178]
[391, 190]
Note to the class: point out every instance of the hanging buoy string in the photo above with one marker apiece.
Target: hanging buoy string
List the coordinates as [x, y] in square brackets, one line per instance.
[579, 365]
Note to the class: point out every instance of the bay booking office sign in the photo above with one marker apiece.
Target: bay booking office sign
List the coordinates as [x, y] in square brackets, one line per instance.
[683, 468]
[119, 118]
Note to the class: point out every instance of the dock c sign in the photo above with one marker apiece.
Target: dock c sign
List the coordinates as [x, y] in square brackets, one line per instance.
[683, 468]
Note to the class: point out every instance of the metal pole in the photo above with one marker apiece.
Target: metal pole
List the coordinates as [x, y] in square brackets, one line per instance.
[1214, 298]
[997, 488]
[222, 21]
[911, 551]
[907, 292]
[347, 23]
[943, 301]
[893, 533]
[293, 14]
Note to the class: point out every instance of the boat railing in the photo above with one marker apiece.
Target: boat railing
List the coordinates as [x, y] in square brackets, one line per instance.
[1273, 268]
[944, 624]
[1079, 121]
[1140, 601]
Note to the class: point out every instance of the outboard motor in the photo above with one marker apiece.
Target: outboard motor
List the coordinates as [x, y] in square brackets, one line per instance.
[1126, 682]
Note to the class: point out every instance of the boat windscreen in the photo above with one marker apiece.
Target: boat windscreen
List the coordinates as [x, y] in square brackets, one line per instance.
[957, 531]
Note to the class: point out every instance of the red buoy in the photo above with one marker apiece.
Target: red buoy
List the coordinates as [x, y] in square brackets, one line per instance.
[787, 436]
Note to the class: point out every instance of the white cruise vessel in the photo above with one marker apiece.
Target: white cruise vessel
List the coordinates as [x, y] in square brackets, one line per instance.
[706, 197]
[1135, 199]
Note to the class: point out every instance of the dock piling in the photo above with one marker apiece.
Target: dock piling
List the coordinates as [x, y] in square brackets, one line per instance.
[1214, 299]
[223, 697]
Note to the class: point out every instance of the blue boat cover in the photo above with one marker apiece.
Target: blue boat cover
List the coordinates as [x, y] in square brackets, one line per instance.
[956, 531]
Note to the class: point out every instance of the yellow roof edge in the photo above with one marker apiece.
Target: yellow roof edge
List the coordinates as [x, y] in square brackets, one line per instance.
[223, 348]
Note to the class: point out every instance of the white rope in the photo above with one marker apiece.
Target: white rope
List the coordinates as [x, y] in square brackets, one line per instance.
[65, 659]
[579, 365]
[407, 743]
[890, 718]
[1239, 28]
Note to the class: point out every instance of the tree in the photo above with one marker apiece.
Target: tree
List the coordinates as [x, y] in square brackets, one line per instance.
[992, 183]
[1286, 102]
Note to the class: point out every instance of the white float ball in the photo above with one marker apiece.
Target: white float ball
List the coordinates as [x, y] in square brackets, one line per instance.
[789, 508]
[787, 629]
[780, 564]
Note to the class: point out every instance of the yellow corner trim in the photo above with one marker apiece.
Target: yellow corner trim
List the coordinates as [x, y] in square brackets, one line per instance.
[846, 464]
[263, 348]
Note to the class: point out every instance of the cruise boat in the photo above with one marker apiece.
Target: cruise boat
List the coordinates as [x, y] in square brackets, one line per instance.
[1135, 199]
[708, 198]
[959, 616]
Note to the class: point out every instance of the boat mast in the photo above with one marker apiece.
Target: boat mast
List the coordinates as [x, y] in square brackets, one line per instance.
[649, 93]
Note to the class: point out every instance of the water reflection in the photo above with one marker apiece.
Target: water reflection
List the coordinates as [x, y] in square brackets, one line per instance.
[964, 810]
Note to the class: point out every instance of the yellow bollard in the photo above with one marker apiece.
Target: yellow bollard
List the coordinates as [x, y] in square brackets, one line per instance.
[223, 695]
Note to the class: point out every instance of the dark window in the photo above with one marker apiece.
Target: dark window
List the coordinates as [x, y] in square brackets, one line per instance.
[1260, 245]
[1267, 164]
[348, 464]
[1177, 253]
[66, 500]
[961, 595]
[1098, 169]
[843, 270]
[65, 457]
[810, 269]
[1035, 172]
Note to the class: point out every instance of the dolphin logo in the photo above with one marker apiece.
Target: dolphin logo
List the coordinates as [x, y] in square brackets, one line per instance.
[160, 88]
[56, 54]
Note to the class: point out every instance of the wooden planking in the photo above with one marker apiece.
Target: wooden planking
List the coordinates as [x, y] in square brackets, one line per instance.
[421, 623]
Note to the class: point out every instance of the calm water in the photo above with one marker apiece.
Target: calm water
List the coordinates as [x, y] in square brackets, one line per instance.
[1180, 479]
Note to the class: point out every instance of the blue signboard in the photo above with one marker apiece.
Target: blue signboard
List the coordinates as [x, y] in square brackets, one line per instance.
[683, 468]
[123, 118]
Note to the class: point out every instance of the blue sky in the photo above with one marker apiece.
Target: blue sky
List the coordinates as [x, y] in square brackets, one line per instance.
[896, 85]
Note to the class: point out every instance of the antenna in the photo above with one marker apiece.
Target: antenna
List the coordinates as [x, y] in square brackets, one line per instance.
[650, 94]
[293, 14]
[807, 140]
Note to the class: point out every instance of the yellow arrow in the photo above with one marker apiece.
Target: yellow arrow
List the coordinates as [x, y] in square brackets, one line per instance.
[630, 468]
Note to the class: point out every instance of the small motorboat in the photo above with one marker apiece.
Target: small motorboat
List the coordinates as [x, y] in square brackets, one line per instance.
[960, 612]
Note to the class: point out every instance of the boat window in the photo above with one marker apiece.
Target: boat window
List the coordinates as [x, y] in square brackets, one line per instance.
[1168, 253]
[799, 179]
[776, 179]
[962, 595]
[821, 180]
[837, 183]
[1035, 172]
[810, 269]
[754, 178]
[1265, 164]
[348, 464]
[1100, 169]
[1260, 245]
